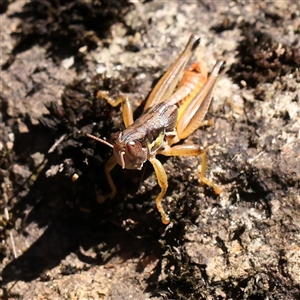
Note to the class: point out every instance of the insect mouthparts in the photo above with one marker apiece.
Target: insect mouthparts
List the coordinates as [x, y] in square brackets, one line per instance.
[122, 153]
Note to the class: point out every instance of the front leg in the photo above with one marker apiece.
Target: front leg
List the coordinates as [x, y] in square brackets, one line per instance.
[127, 115]
[163, 183]
[192, 150]
[127, 112]
[109, 166]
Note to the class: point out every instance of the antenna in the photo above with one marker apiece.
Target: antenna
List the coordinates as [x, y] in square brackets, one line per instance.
[99, 140]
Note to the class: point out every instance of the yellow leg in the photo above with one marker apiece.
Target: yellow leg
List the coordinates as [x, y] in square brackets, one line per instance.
[174, 139]
[192, 115]
[216, 188]
[110, 164]
[192, 150]
[127, 112]
[127, 115]
[163, 183]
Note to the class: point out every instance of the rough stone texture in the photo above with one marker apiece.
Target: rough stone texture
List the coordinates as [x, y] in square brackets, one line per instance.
[242, 244]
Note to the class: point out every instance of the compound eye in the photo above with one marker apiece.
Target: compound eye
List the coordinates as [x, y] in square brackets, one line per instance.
[134, 148]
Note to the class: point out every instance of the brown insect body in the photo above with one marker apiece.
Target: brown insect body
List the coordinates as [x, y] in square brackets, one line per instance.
[168, 117]
[142, 139]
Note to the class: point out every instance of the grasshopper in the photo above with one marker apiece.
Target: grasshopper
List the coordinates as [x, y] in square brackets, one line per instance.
[168, 117]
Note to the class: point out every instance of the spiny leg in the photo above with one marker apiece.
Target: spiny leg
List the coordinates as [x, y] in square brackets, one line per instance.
[192, 116]
[216, 188]
[127, 112]
[110, 164]
[192, 150]
[173, 138]
[163, 183]
[127, 115]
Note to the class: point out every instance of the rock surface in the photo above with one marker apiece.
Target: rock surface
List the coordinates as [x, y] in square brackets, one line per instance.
[242, 244]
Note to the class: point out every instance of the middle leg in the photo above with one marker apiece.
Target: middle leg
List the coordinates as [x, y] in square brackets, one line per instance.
[127, 112]
[192, 150]
[163, 183]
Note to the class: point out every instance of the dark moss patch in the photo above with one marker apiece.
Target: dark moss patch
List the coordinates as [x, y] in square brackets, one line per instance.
[262, 59]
